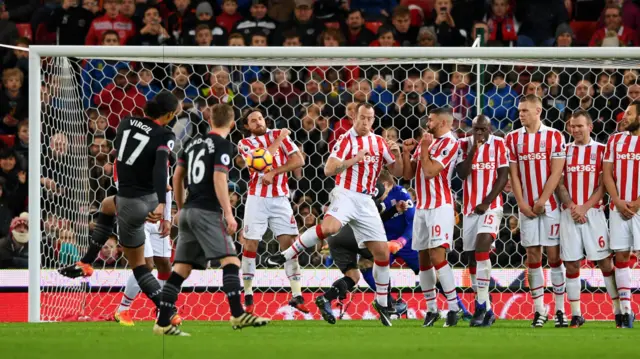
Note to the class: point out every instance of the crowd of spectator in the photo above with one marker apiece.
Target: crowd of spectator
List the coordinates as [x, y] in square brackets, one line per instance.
[317, 103]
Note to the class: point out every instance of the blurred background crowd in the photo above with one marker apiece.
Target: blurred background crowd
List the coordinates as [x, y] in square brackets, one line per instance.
[317, 103]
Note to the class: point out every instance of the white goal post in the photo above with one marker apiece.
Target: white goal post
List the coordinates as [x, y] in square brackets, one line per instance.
[592, 59]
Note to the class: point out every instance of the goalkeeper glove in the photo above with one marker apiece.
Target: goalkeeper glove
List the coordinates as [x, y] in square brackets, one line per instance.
[396, 245]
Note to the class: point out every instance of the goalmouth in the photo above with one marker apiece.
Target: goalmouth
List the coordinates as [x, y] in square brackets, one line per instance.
[477, 58]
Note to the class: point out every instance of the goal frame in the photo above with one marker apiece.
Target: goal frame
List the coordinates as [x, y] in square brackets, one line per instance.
[471, 55]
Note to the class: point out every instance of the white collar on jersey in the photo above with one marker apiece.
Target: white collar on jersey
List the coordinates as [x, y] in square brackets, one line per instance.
[543, 127]
[591, 141]
[353, 133]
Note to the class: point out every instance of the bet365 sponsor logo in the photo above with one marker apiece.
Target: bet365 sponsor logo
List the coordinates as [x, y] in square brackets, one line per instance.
[371, 159]
[581, 168]
[533, 156]
[628, 156]
[483, 166]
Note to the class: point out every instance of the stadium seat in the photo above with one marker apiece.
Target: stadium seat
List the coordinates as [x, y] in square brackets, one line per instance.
[24, 30]
[45, 37]
[583, 30]
[373, 26]
[8, 140]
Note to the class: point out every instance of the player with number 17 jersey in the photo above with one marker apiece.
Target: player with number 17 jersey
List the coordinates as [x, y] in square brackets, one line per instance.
[533, 153]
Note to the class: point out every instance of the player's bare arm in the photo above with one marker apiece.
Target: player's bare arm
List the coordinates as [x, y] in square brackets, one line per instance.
[396, 168]
[464, 168]
[557, 166]
[160, 184]
[516, 187]
[295, 161]
[278, 142]
[178, 187]
[610, 185]
[496, 190]
[563, 194]
[409, 167]
[221, 186]
[578, 213]
[335, 166]
[430, 168]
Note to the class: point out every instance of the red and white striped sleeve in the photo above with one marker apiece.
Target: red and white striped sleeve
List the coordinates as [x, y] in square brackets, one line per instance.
[610, 151]
[559, 149]
[244, 147]
[445, 152]
[416, 153]
[463, 149]
[288, 146]
[511, 148]
[389, 158]
[341, 148]
[502, 154]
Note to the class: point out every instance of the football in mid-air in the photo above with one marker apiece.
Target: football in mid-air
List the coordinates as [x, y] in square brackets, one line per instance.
[259, 160]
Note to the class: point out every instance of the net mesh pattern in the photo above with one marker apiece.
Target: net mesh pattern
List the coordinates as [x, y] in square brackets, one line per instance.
[83, 100]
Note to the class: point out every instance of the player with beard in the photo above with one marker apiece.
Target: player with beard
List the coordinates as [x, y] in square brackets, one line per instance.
[356, 160]
[621, 175]
[432, 165]
[268, 203]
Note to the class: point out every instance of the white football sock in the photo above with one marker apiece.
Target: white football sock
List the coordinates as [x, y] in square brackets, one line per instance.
[428, 285]
[381, 276]
[612, 289]
[536, 286]
[623, 282]
[292, 269]
[248, 271]
[445, 274]
[573, 293]
[557, 274]
[310, 238]
[483, 279]
[131, 290]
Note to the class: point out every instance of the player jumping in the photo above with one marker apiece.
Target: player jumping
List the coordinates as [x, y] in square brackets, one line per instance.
[268, 204]
[157, 252]
[143, 146]
[205, 162]
[356, 160]
[537, 156]
[483, 164]
[432, 165]
[583, 226]
[621, 176]
[398, 224]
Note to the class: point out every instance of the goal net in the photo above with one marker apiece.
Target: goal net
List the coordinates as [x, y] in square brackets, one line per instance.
[84, 93]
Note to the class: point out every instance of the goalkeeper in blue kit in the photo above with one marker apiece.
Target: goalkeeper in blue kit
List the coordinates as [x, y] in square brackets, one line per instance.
[396, 210]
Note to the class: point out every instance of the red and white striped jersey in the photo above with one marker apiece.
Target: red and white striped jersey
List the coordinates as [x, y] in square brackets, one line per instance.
[533, 153]
[362, 176]
[490, 156]
[582, 170]
[280, 186]
[623, 150]
[436, 192]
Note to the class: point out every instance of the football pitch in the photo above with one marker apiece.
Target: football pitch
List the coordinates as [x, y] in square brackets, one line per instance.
[316, 339]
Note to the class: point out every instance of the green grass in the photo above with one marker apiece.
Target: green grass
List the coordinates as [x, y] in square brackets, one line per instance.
[316, 339]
